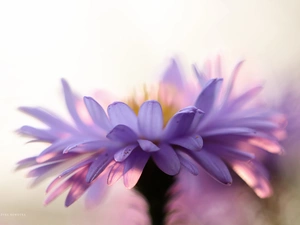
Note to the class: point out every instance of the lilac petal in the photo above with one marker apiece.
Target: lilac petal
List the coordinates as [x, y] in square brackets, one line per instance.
[134, 166]
[76, 167]
[150, 120]
[193, 143]
[180, 123]
[201, 76]
[42, 170]
[244, 98]
[120, 113]
[39, 134]
[54, 149]
[188, 164]
[87, 145]
[96, 193]
[48, 118]
[97, 113]
[115, 173]
[271, 146]
[122, 133]
[231, 81]
[99, 165]
[148, 146]
[70, 102]
[25, 163]
[254, 175]
[208, 95]
[213, 165]
[167, 160]
[78, 188]
[66, 184]
[122, 154]
[228, 152]
[173, 76]
[229, 131]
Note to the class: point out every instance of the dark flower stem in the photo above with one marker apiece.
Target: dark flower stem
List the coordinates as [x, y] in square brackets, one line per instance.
[154, 185]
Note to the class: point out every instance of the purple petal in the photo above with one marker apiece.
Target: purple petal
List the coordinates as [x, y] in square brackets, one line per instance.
[78, 188]
[76, 167]
[64, 186]
[134, 166]
[97, 113]
[188, 164]
[167, 160]
[25, 163]
[122, 133]
[231, 81]
[115, 173]
[150, 120]
[120, 113]
[48, 118]
[148, 146]
[254, 175]
[96, 193]
[99, 165]
[213, 165]
[201, 76]
[245, 98]
[42, 170]
[173, 76]
[122, 154]
[208, 95]
[70, 102]
[39, 134]
[229, 131]
[193, 143]
[180, 123]
[228, 152]
[54, 149]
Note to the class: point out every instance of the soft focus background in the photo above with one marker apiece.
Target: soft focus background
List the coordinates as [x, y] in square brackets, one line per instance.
[121, 45]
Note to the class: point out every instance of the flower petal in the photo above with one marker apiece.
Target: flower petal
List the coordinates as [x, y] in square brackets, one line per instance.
[148, 146]
[39, 134]
[193, 143]
[99, 165]
[180, 123]
[213, 165]
[70, 102]
[120, 113]
[173, 76]
[208, 95]
[134, 166]
[188, 164]
[167, 160]
[97, 113]
[150, 120]
[122, 154]
[244, 131]
[254, 175]
[122, 133]
[48, 118]
[78, 188]
[115, 173]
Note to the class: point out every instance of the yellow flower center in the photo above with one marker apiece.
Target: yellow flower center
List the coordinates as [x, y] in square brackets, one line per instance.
[168, 107]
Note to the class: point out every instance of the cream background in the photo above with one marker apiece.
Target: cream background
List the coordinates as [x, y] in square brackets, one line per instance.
[119, 45]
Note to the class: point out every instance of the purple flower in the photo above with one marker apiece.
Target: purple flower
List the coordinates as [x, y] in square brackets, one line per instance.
[113, 146]
[232, 128]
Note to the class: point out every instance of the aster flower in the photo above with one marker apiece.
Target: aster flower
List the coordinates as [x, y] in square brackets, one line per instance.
[113, 146]
[186, 128]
